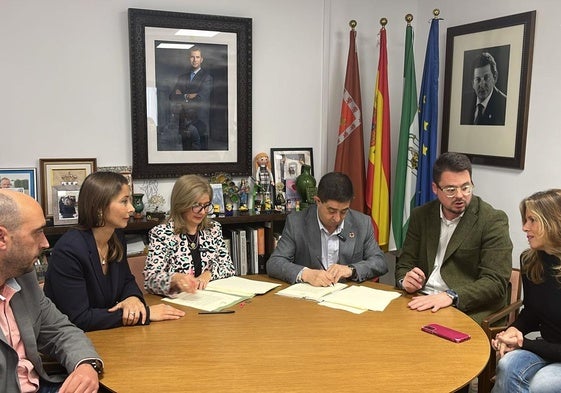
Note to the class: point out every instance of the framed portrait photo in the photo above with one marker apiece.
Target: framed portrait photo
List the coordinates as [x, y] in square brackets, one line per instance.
[20, 179]
[190, 93]
[57, 172]
[487, 89]
[287, 163]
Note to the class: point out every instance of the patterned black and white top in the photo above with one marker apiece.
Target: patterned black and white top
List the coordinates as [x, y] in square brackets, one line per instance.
[169, 253]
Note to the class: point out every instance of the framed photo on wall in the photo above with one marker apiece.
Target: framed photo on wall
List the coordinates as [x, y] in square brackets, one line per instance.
[62, 172]
[20, 179]
[487, 89]
[287, 162]
[190, 93]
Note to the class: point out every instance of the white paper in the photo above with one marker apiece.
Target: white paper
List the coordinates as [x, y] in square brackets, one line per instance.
[307, 291]
[344, 308]
[362, 297]
[205, 300]
[241, 286]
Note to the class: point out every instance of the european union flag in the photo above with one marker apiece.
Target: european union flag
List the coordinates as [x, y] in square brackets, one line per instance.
[428, 119]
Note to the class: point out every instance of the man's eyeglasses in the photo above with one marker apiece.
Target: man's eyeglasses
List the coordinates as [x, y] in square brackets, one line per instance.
[451, 191]
[207, 207]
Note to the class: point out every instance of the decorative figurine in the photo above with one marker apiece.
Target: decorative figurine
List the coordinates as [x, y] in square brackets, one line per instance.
[263, 175]
[280, 199]
[244, 189]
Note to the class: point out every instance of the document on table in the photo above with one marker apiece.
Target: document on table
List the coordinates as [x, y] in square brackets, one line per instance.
[359, 297]
[307, 291]
[206, 300]
[241, 286]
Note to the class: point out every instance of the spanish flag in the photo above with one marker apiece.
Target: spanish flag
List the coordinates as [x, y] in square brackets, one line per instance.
[378, 174]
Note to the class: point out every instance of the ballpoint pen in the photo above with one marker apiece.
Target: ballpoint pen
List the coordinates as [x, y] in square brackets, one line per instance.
[323, 267]
[217, 312]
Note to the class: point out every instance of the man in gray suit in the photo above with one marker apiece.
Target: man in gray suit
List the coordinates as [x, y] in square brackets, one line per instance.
[328, 241]
[457, 250]
[30, 324]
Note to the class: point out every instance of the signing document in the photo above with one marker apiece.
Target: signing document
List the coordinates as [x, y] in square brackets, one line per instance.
[358, 299]
[205, 300]
[306, 291]
[241, 286]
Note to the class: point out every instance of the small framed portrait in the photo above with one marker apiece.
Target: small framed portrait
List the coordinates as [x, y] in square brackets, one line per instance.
[287, 162]
[20, 179]
[65, 204]
[62, 172]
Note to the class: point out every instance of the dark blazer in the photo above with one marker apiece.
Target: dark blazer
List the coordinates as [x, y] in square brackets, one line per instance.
[43, 329]
[75, 282]
[478, 261]
[494, 114]
[300, 246]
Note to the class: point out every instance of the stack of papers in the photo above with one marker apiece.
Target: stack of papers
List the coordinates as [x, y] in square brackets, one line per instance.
[356, 299]
[205, 300]
[307, 291]
[222, 293]
[359, 299]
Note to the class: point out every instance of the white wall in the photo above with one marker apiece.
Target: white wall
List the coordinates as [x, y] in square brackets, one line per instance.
[66, 92]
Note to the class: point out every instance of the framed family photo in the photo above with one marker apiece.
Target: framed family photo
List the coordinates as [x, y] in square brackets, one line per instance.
[190, 93]
[20, 179]
[62, 177]
[487, 89]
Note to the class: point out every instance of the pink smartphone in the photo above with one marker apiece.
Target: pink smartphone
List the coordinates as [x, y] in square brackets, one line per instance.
[444, 332]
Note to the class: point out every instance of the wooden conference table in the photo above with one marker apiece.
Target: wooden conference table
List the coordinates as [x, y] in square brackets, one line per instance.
[277, 344]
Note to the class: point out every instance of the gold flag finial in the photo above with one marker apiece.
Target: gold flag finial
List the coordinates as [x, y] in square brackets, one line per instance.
[436, 12]
[409, 18]
[383, 22]
[352, 23]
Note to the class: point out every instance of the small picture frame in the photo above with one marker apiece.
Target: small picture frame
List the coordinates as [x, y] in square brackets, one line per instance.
[287, 162]
[217, 198]
[20, 179]
[65, 204]
[56, 171]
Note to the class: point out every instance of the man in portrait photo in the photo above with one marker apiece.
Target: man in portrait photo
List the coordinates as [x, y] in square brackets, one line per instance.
[484, 103]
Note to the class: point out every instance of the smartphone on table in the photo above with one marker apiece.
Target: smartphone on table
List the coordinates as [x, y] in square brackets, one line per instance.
[446, 332]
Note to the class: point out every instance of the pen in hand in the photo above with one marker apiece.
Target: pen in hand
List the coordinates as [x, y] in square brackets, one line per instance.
[323, 268]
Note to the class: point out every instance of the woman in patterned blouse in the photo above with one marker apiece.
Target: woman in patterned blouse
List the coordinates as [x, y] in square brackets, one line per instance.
[188, 251]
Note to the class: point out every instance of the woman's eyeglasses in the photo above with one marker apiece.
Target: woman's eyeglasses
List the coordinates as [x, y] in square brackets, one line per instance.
[207, 207]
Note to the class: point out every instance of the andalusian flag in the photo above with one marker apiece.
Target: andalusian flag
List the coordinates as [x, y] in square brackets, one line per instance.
[350, 143]
[378, 178]
[407, 150]
[428, 119]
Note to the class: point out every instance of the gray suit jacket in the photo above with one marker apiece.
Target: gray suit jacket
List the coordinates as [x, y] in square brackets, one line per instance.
[478, 260]
[300, 246]
[44, 329]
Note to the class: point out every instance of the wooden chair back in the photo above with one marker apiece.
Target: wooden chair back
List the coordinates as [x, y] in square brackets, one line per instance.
[510, 313]
[136, 264]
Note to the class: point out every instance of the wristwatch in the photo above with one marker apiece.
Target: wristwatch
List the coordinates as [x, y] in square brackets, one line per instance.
[353, 272]
[453, 295]
[95, 363]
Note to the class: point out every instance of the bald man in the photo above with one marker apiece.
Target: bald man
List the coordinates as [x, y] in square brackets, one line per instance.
[30, 323]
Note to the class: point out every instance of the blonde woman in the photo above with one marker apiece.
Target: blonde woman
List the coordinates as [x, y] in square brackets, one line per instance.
[188, 251]
[535, 365]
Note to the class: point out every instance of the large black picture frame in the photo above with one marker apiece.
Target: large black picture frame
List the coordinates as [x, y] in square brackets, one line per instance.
[510, 40]
[227, 43]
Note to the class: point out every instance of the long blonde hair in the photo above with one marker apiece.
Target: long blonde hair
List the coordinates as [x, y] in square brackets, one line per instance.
[545, 206]
[186, 192]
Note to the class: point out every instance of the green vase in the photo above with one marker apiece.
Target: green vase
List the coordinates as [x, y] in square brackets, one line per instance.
[306, 185]
[138, 204]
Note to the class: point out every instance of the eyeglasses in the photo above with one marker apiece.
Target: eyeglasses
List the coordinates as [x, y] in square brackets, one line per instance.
[451, 191]
[207, 207]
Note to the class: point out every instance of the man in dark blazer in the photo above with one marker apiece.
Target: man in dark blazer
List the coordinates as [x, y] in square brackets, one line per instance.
[328, 241]
[457, 249]
[486, 105]
[190, 97]
[30, 323]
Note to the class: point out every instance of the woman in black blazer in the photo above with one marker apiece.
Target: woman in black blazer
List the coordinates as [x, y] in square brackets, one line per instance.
[88, 276]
